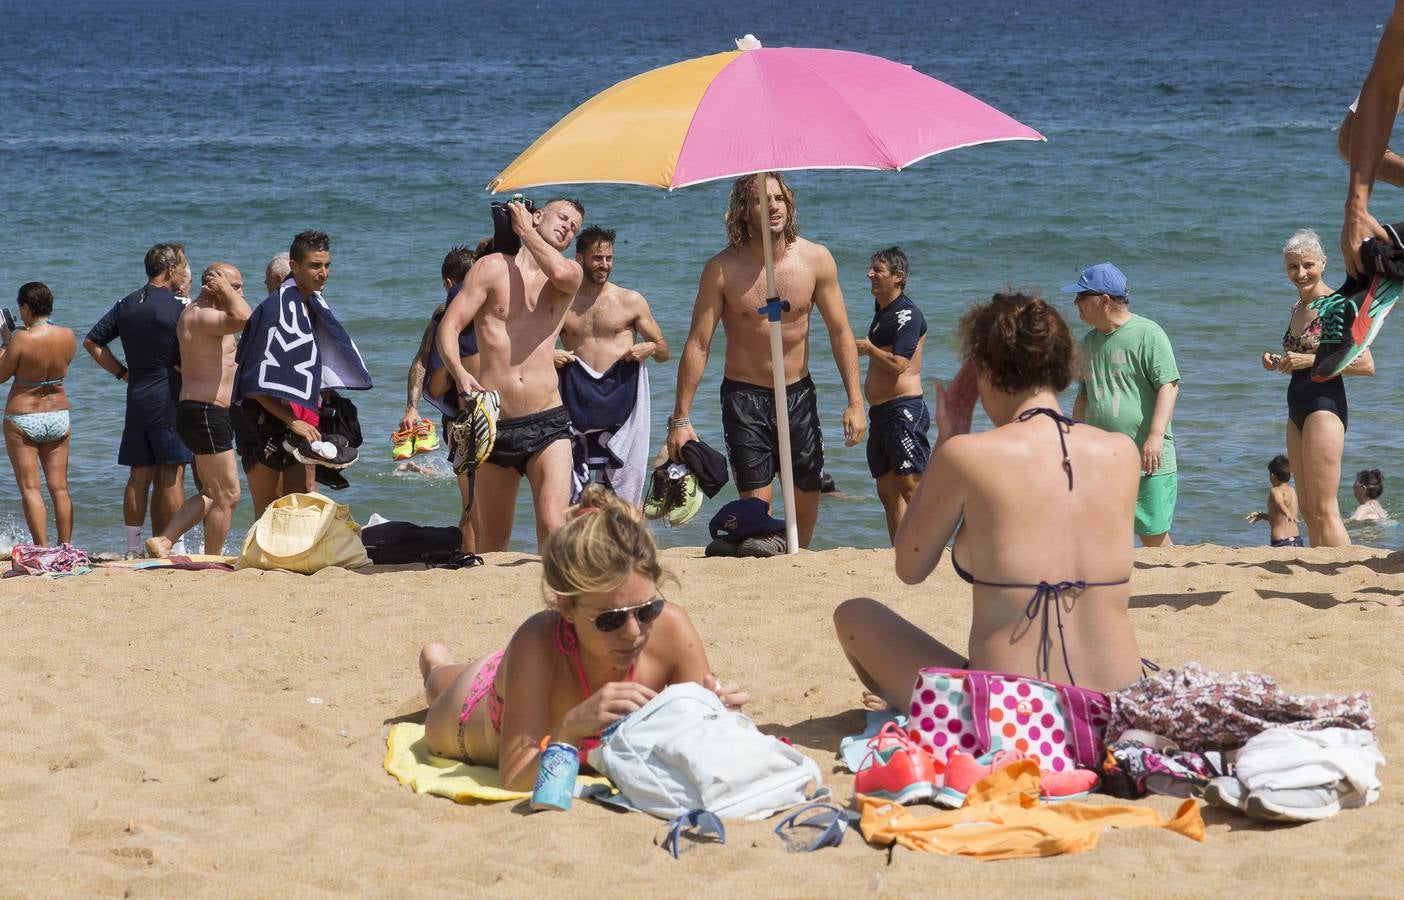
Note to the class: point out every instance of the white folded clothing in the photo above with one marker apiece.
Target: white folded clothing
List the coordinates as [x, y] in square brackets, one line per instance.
[1284, 758]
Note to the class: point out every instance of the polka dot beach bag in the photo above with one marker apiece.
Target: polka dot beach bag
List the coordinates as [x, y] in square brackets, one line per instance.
[975, 712]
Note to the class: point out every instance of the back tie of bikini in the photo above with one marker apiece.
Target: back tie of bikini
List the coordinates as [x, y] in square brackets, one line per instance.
[1065, 424]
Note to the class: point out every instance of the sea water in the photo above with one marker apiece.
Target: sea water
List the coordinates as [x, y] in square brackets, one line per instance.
[1185, 143]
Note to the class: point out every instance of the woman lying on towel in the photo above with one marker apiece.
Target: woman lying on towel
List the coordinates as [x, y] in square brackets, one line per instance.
[606, 644]
[1042, 510]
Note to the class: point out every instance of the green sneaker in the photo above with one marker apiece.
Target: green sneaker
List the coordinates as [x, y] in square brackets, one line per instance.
[1349, 323]
[686, 499]
[655, 502]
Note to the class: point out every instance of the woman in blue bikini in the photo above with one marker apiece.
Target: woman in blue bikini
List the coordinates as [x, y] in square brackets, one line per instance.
[606, 644]
[1041, 508]
[36, 414]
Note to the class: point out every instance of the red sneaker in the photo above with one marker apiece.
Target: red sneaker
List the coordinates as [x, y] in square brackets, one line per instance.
[896, 768]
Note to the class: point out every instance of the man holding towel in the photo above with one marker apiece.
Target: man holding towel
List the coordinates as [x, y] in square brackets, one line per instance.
[292, 349]
[609, 332]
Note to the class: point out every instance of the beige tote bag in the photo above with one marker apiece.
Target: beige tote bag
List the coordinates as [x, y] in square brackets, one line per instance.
[303, 533]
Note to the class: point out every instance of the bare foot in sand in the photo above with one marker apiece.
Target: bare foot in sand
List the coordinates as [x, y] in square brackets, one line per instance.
[875, 703]
[158, 547]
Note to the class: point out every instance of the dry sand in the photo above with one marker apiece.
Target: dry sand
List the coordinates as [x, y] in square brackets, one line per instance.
[162, 738]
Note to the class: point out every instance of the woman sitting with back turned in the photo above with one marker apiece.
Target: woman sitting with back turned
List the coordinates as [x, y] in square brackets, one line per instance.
[1044, 510]
[606, 644]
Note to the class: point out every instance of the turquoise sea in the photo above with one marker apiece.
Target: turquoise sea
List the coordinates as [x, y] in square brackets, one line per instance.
[1185, 142]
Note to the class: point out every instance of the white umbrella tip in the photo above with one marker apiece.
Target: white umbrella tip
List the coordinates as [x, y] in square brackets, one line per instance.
[749, 42]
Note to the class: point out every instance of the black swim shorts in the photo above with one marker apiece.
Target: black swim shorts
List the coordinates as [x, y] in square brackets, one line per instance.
[748, 424]
[897, 437]
[204, 428]
[142, 447]
[519, 439]
[266, 434]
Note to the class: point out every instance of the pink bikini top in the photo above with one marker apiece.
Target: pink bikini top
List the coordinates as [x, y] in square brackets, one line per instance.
[569, 644]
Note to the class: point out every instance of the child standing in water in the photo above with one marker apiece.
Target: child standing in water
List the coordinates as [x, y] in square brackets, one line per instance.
[1369, 485]
[1281, 513]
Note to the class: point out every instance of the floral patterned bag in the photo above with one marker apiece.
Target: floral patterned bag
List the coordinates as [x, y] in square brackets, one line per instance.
[975, 712]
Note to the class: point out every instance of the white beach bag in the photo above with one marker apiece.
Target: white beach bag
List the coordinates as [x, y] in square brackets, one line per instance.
[685, 750]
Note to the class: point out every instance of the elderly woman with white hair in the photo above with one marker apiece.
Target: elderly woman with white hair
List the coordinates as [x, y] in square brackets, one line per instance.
[1317, 413]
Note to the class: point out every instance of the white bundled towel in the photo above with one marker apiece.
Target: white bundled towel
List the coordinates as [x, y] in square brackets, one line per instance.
[1283, 758]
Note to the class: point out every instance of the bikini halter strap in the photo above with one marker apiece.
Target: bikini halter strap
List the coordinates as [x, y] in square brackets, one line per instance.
[568, 642]
[1065, 424]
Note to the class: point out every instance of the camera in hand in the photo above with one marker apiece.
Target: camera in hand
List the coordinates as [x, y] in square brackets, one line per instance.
[504, 239]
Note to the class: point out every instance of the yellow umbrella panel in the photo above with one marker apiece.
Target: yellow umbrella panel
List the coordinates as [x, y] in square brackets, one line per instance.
[629, 134]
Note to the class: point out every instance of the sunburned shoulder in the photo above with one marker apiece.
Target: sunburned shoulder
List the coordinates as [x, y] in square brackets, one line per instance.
[538, 632]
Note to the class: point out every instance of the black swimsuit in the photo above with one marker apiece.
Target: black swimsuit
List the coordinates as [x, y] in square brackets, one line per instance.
[1305, 396]
[1046, 593]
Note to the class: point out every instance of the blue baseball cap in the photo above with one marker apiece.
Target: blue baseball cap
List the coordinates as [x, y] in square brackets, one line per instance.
[1103, 278]
[744, 518]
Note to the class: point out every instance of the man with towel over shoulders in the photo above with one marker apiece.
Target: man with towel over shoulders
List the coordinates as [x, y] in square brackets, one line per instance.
[609, 332]
[292, 349]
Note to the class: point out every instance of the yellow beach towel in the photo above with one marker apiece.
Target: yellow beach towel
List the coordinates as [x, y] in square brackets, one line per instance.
[407, 757]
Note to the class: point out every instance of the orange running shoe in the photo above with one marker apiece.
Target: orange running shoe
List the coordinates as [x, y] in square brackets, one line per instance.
[426, 437]
[896, 768]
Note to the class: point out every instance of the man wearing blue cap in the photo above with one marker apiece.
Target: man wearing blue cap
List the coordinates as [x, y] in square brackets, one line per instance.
[1129, 385]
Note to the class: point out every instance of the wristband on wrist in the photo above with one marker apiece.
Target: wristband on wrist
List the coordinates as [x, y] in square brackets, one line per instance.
[682, 422]
[121, 370]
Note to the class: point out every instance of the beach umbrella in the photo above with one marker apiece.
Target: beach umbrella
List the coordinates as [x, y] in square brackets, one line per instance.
[758, 109]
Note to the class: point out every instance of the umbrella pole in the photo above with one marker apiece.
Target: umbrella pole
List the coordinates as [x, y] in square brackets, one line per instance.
[777, 365]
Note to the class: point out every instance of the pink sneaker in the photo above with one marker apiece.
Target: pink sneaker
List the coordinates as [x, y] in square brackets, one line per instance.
[896, 768]
[963, 771]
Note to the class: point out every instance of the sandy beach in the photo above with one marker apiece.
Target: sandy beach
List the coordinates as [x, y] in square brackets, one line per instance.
[200, 733]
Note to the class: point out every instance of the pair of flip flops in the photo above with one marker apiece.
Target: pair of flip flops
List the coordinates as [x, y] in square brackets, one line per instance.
[333, 451]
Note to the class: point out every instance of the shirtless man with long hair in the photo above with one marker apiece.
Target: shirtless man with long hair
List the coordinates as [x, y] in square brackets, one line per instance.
[731, 292]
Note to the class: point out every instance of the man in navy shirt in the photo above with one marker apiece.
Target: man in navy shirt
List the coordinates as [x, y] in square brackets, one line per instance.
[897, 417]
[145, 322]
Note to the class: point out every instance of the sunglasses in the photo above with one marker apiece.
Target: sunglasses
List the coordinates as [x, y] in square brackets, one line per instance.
[696, 826]
[814, 826]
[614, 619]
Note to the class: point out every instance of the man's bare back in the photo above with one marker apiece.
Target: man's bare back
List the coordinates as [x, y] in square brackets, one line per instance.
[206, 331]
[1282, 512]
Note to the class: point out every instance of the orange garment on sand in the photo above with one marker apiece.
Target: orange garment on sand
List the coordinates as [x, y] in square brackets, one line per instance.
[1003, 819]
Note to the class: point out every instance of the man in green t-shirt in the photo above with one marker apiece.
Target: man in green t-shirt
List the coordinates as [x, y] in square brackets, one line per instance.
[1129, 385]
